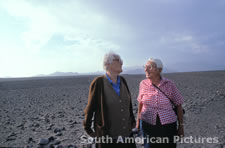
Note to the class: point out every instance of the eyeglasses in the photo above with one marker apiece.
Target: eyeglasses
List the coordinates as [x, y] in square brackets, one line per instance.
[148, 66]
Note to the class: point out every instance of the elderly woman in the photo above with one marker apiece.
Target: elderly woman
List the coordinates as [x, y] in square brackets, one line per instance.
[110, 106]
[156, 98]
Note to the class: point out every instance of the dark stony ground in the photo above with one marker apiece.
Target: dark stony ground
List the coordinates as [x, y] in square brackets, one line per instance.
[36, 111]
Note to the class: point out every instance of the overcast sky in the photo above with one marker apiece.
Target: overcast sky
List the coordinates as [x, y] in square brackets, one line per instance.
[45, 36]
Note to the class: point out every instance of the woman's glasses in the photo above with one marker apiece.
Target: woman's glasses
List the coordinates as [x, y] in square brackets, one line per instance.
[148, 66]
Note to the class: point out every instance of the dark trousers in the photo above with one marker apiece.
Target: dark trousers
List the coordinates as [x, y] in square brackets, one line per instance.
[116, 145]
[160, 136]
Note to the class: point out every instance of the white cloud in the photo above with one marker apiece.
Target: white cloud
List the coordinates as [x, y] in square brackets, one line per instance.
[183, 42]
[40, 24]
[66, 18]
[70, 19]
[184, 38]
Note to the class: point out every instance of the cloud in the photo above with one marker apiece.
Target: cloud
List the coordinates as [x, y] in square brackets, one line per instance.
[66, 36]
[183, 43]
[43, 21]
[48, 31]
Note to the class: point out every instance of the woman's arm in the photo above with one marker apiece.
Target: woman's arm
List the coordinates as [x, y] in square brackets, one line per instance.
[178, 100]
[180, 120]
[90, 108]
[140, 105]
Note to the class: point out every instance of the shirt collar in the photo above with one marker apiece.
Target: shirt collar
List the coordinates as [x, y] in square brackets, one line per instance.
[118, 80]
[163, 80]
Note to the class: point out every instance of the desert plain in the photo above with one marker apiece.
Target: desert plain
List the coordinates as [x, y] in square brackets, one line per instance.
[48, 111]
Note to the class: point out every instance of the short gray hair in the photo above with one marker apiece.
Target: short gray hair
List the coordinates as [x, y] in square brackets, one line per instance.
[109, 57]
[157, 62]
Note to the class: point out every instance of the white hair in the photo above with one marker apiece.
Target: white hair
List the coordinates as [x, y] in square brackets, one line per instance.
[157, 62]
[109, 57]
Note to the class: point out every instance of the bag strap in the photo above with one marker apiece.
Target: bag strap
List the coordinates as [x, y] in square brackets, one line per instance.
[163, 93]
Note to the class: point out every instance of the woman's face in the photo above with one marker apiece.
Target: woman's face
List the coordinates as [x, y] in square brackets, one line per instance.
[116, 66]
[151, 70]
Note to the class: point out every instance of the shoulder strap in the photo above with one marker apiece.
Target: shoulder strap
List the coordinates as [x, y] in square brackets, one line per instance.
[163, 93]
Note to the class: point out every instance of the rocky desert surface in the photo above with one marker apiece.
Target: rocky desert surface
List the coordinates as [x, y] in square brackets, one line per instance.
[48, 111]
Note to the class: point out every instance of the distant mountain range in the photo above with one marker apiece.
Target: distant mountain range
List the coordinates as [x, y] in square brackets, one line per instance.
[126, 70]
[140, 70]
[59, 74]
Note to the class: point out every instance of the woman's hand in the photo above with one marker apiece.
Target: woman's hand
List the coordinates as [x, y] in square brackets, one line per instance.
[138, 115]
[93, 134]
[138, 124]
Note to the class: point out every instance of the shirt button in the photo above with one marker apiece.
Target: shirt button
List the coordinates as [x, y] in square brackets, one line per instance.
[121, 110]
[120, 101]
[124, 127]
[123, 119]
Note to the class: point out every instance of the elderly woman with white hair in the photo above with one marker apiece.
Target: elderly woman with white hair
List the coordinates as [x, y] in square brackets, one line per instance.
[110, 107]
[157, 96]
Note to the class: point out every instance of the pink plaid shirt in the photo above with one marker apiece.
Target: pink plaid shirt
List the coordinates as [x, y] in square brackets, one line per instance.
[155, 102]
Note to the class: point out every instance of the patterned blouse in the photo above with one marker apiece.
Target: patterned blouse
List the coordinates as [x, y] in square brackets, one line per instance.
[156, 103]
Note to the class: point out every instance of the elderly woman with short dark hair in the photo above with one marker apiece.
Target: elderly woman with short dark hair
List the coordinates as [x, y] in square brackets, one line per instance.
[109, 102]
[156, 98]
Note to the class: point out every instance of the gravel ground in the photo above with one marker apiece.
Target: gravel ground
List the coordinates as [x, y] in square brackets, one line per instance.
[36, 111]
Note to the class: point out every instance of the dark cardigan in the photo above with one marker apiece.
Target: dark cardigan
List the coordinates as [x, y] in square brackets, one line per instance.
[96, 107]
